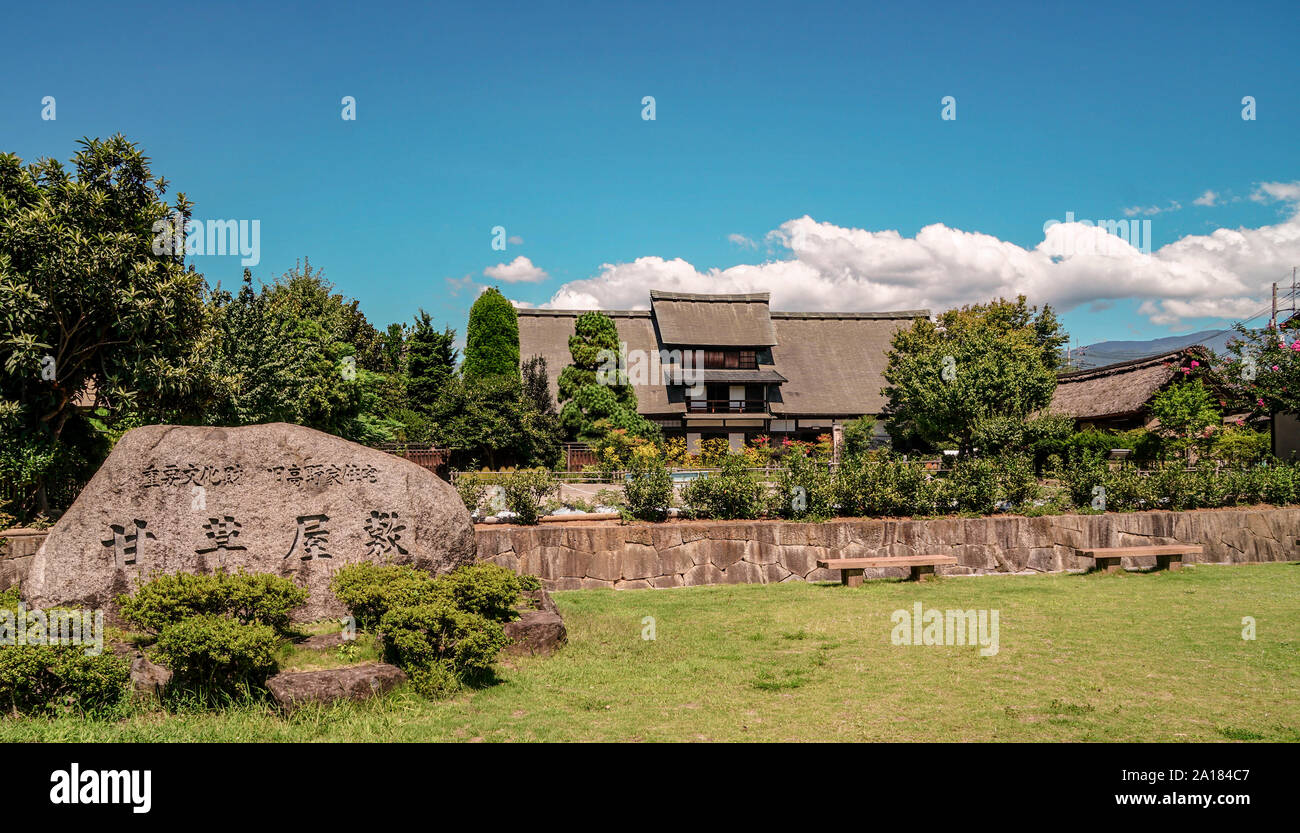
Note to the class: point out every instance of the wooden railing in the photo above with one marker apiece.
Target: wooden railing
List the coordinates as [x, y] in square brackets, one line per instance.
[726, 406]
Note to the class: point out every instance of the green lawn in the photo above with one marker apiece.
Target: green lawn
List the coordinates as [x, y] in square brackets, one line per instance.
[1156, 657]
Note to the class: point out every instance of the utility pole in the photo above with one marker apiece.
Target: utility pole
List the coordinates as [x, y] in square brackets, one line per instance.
[1272, 319]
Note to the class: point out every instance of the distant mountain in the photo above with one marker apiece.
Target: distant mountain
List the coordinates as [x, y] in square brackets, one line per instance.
[1111, 352]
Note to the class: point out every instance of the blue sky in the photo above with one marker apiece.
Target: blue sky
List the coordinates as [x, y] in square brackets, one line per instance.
[788, 141]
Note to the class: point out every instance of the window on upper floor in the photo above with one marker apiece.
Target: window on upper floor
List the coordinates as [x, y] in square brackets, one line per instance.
[731, 359]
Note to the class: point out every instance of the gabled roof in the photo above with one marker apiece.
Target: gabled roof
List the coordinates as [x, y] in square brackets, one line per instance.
[713, 320]
[835, 361]
[545, 332]
[1122, 389]
[826, 363]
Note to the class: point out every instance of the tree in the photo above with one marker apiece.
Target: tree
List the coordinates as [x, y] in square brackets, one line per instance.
[491, 338]
[1185, 410]
[1264, 373]
[430, 362]
[89, 302]
[542, 419]
[985, 361]
[593, 404]
[279, 356]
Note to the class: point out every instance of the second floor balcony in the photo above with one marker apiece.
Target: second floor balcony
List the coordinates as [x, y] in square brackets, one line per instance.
[726, 406]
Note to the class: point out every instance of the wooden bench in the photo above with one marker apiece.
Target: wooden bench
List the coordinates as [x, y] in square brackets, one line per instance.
[1168, 556]
[921, 566]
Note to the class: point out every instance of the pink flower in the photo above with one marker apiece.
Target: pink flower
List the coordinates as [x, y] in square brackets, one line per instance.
[1186, 371]
[1295, 345]
[1275, 368]
[1196, 364]
[1259, 402]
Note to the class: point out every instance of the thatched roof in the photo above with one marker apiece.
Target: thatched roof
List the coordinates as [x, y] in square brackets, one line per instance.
[827, 364]
[545, 332]
[713, 320]
[1122, 389]
[835, 361]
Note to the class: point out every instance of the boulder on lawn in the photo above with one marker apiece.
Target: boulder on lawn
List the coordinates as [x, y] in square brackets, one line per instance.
[355, 682]
[538, 631]
[149, 678]
[277, 498]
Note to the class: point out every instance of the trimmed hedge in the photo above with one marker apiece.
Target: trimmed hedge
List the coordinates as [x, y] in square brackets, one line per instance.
[248, 597]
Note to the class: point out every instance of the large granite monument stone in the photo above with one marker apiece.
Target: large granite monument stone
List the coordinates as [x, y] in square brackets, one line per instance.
[276, 498]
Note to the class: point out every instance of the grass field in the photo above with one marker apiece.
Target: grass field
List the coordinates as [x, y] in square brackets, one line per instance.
[1098, 657]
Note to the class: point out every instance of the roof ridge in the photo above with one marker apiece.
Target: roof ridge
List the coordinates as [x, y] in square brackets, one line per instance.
[752, 297]
[1116, 367]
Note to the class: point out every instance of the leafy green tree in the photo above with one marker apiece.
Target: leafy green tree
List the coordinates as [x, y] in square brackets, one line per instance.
[1185, 410]
[593, 403]
[279, 357]
[1264, 373]
[89, 303]
[430, 362]
[491, 338]
[985, 361]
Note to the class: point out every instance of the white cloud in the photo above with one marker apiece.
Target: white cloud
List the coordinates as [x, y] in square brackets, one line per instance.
[742, 240]
[1208, 198]
[1225, 274]
[1152, 210]
[519, 270]
[1288, 192]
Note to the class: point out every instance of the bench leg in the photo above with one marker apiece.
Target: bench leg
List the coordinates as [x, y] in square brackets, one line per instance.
[1169, 562]
[1109, 565]
[922, 572]
[851, 578]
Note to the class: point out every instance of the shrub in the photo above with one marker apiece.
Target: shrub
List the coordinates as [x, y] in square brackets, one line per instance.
[648, 492]
[974, 482]
[472, 490]
[805, 489]
[211, 654]
[369, 590]
[1275, 484]
[45, 680]
[526, 489]
[888, 486]
[488, 590]
[249, 597]
[439, 634]
[733, 493]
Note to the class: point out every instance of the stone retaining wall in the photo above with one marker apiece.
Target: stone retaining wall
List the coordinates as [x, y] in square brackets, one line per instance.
[736, 552]
[576, 555]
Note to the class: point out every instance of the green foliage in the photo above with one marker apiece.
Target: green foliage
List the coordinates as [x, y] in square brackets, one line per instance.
[733, 493]
[491, 339]
[81, 283]
[887, 486]
[370, 590]
[438, 634]
[1001, 358]
[1264, 373]
[431, 361]
[212, 655]
[594, 396]
[805, 488]
[488, 590]
[1239, 445]
[259, 598]
[472, 490]
[648, 492]
[858, 434]
[1185, 411]
[525, 491]
[47, 680]
[491, 422]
